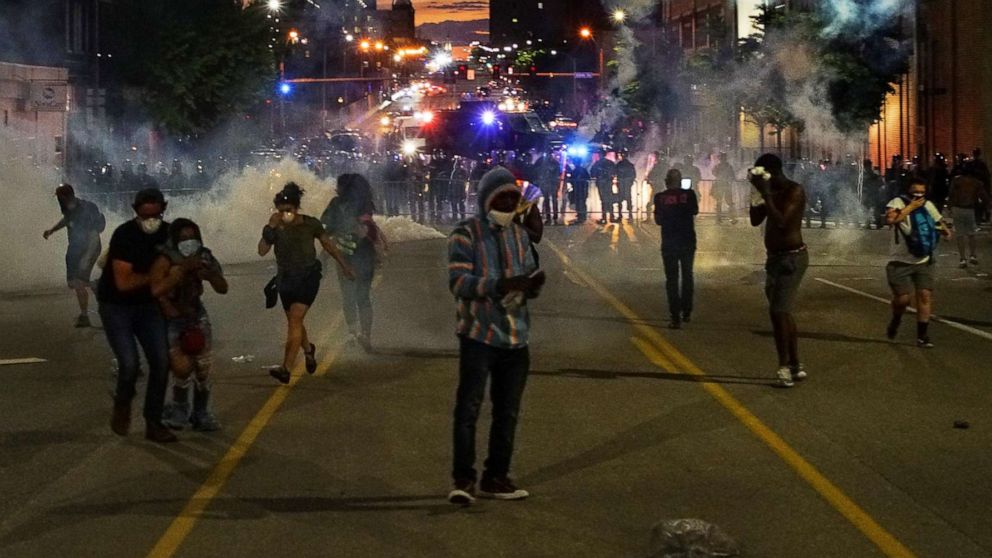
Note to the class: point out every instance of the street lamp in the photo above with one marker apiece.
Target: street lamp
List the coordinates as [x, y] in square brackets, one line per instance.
[365, 45]
[274, 5]
[349, 37]
[586, 33]
[619, 16]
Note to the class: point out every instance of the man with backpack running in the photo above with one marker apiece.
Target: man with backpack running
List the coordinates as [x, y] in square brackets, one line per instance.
[84, 222]
[917, 224]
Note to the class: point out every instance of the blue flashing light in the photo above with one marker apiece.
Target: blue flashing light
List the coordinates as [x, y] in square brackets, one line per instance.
[488, 117]
[285, 88]
[580, 151]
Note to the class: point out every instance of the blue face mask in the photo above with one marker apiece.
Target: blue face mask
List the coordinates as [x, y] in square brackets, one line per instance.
[189, 247]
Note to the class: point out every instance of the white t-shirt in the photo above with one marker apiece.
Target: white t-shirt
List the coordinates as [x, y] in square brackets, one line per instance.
[899, 252]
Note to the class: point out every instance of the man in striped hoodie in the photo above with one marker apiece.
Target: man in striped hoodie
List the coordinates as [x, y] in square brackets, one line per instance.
[492, 273]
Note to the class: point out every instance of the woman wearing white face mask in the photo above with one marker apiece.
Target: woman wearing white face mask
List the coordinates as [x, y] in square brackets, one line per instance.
[131, 316]
[299, 272]
[177, 278]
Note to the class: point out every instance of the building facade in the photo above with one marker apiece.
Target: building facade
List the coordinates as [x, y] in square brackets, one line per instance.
[56, 42]
[399, 21]
[943, 104]
[34, 108]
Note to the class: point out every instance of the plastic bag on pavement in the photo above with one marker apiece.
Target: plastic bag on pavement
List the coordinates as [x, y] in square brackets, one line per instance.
[690, 538]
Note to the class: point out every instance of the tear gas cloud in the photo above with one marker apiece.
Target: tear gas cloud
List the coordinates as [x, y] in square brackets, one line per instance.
[231, 216]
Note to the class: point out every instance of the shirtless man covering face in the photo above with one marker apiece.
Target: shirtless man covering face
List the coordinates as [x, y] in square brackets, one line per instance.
[781, 202]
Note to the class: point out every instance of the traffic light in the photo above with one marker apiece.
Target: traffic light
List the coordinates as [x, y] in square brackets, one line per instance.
[496, 70]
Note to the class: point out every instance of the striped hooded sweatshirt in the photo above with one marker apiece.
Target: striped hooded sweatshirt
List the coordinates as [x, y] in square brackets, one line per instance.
[479, 254]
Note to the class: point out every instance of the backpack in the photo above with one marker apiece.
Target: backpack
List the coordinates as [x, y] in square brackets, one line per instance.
[923, 238]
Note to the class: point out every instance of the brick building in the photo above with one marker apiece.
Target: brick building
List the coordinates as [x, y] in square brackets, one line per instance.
[944, 103]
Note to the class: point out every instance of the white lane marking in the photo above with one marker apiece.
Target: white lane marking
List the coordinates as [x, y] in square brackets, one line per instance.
[933, 317]
[30, 360]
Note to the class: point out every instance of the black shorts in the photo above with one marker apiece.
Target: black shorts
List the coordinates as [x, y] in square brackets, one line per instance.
[299, 288]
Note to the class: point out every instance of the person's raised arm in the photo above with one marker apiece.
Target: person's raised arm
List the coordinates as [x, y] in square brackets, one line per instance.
[268, 235]
[895, 215]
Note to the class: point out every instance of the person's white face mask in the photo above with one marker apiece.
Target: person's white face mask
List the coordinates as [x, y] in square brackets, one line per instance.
[189, 247]
[501, 218]
[150, 226]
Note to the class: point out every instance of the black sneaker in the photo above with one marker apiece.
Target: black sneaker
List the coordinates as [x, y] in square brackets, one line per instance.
[501, 489]
[311, 359]
[158, 433]
[675, 323]
[83, 321]
[280, 374]
[892, 330]
[686, 318]
[463, 494]
[924, 343]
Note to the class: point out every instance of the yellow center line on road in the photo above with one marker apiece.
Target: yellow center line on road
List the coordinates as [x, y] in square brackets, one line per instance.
[664, 355]
[183, 524]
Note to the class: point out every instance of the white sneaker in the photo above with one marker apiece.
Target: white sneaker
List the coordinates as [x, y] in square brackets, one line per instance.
[798, 372]
[784, 377]
[463, 494]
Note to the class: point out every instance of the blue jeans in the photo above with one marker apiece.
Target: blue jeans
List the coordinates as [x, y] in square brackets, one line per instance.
[357, 300]
[126, 326]
[678, 265]
[508, 368]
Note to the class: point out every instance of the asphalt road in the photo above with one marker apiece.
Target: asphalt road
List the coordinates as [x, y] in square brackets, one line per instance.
[624, 423]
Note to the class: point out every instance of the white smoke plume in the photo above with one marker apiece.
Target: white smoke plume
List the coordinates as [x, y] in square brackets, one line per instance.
[231, 217]
[861, 17]
[612, 108]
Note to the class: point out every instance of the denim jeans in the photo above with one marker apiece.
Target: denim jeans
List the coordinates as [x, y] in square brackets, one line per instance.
[126, 326]
[357, 301]
[679, 263]
[550, 205]
[508, 368]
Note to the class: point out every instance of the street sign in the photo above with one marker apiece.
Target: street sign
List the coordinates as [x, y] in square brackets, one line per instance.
[584, 75]
[48, 96]
[470, 74]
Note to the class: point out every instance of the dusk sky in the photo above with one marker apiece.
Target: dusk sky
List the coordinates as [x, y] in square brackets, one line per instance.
[432, 11]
